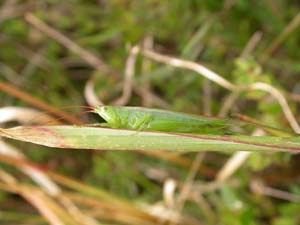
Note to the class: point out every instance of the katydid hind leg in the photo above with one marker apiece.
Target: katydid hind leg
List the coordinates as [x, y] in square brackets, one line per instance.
[142, 123]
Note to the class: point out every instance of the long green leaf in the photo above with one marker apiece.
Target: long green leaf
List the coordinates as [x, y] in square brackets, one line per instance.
[118, 139]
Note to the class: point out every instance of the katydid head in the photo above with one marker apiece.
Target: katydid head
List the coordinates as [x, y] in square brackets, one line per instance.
[109, 114]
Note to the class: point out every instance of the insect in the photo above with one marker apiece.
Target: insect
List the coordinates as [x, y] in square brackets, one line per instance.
[147, 119]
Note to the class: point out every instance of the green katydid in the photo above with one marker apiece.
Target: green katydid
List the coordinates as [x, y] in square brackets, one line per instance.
[148, 119]
[139, 118]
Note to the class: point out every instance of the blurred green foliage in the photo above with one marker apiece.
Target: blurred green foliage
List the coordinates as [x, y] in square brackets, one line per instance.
[209, 32]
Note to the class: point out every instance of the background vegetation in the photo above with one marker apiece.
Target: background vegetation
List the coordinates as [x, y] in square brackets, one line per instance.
[51, 51]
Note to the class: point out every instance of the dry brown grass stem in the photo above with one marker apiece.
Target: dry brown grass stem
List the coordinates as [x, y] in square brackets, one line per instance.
[259, 188]
[24, 115]
[176, 62]
[11, 155]
[10, 9]
[188, 184]
[292, 26]
[128, 79]
[228, 103]
[36, 198]
[89, 93]
[281, 100]
[86, 55]
[207, 100]
[155, 99]
[148, 101]
[252, 43]
[14, 91]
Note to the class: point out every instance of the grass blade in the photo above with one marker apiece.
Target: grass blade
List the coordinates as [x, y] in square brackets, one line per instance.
[119, 139]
